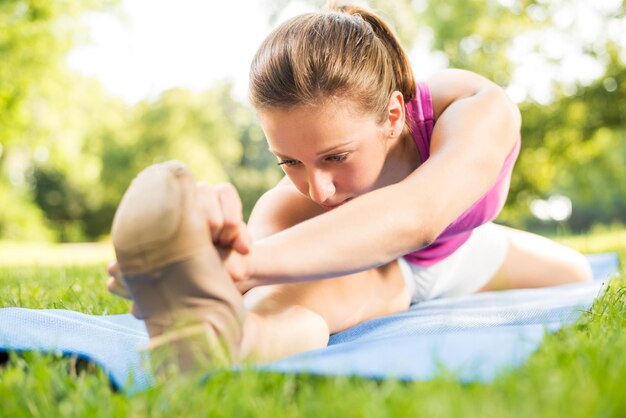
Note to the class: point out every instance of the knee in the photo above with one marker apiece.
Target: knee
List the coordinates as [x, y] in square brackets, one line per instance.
[297, 325]
[316, 331]
[272, 335]
[579, 269]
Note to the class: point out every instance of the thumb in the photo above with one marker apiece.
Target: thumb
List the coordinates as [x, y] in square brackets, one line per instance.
[243, 241]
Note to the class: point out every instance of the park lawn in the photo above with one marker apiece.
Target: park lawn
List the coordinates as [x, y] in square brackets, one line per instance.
[579, 371]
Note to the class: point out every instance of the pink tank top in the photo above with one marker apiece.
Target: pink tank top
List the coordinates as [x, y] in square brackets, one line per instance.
[421, 121]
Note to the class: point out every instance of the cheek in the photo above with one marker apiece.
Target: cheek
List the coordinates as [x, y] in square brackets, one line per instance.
[357, 178]
[366, 170]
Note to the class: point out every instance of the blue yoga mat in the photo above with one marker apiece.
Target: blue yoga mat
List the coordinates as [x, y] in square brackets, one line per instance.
[475, 337]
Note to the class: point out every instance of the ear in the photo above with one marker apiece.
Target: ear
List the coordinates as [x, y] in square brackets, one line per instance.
[396, 113]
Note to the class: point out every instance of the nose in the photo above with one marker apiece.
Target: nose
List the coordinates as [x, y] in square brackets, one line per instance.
[321, 186]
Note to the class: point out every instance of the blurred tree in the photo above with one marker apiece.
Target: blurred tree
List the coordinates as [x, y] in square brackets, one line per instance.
[576, 146]
[256, 171]
[64, 177]
[210, 131]
[35, 36]
[194, 127]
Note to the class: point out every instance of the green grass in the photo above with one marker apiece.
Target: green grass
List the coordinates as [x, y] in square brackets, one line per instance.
[579, 371]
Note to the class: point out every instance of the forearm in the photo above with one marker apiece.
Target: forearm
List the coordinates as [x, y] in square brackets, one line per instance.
[362, 234]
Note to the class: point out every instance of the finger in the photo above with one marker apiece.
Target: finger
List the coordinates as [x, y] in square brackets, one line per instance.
[117, 288]
[113, 269]
[231, 207]
[210, 205]
[135, 311]
[115, 283]
[243, 240]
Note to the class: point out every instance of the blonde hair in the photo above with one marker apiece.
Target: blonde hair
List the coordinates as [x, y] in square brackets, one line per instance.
[344, 52]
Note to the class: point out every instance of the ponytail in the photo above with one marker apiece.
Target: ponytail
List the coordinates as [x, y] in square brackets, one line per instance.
[402, 70]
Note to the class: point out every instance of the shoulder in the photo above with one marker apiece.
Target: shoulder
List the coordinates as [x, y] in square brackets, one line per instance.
[279, 208]
[450, 85]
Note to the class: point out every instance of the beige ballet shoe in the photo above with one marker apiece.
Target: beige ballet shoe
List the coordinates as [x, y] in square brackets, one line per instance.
[192, 309]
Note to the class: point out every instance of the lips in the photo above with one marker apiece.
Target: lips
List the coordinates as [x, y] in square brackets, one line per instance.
[331, 207]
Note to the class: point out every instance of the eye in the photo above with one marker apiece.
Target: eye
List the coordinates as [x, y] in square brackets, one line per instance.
[337, 158]
[288, 163]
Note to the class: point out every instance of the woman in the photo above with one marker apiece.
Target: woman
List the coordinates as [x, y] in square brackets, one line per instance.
[390, 188]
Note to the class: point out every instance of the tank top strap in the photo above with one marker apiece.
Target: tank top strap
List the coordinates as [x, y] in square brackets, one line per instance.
[421, 119]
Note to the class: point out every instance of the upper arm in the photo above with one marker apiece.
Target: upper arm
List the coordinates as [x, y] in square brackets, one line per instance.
[476, 127]
[279, 208]
[451, 86]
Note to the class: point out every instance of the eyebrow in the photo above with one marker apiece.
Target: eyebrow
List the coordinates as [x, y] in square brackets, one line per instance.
[326, 151]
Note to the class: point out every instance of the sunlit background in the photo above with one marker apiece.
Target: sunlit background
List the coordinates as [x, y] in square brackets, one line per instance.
[151, 46]
[93, 91]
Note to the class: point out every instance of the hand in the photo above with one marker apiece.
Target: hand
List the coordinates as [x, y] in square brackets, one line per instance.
[115, 286]
[222, 207]
[237, 267]
[223, 211]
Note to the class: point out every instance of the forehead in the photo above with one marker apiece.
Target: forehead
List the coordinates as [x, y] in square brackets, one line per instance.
[316, 127]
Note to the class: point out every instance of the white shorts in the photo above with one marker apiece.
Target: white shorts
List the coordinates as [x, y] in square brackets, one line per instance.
[464, 272]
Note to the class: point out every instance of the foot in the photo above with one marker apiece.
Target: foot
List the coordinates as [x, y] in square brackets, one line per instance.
[172, 270]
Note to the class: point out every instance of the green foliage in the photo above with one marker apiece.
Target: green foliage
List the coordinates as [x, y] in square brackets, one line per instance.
[35, 36]
[476, 34]
[21, 219]
[86, 147]
[211, 132]
[68, 150]
[29, 49]
[256, 170]
[576, 146]
[63, 177]
[179, 125]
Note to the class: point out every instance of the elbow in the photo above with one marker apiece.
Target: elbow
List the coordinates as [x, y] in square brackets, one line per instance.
[504, 108]
[517, 115]
[505, 118]
[512, 111]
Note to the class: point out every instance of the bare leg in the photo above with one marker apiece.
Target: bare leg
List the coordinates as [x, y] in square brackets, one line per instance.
[535, 261]
[290, 318]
